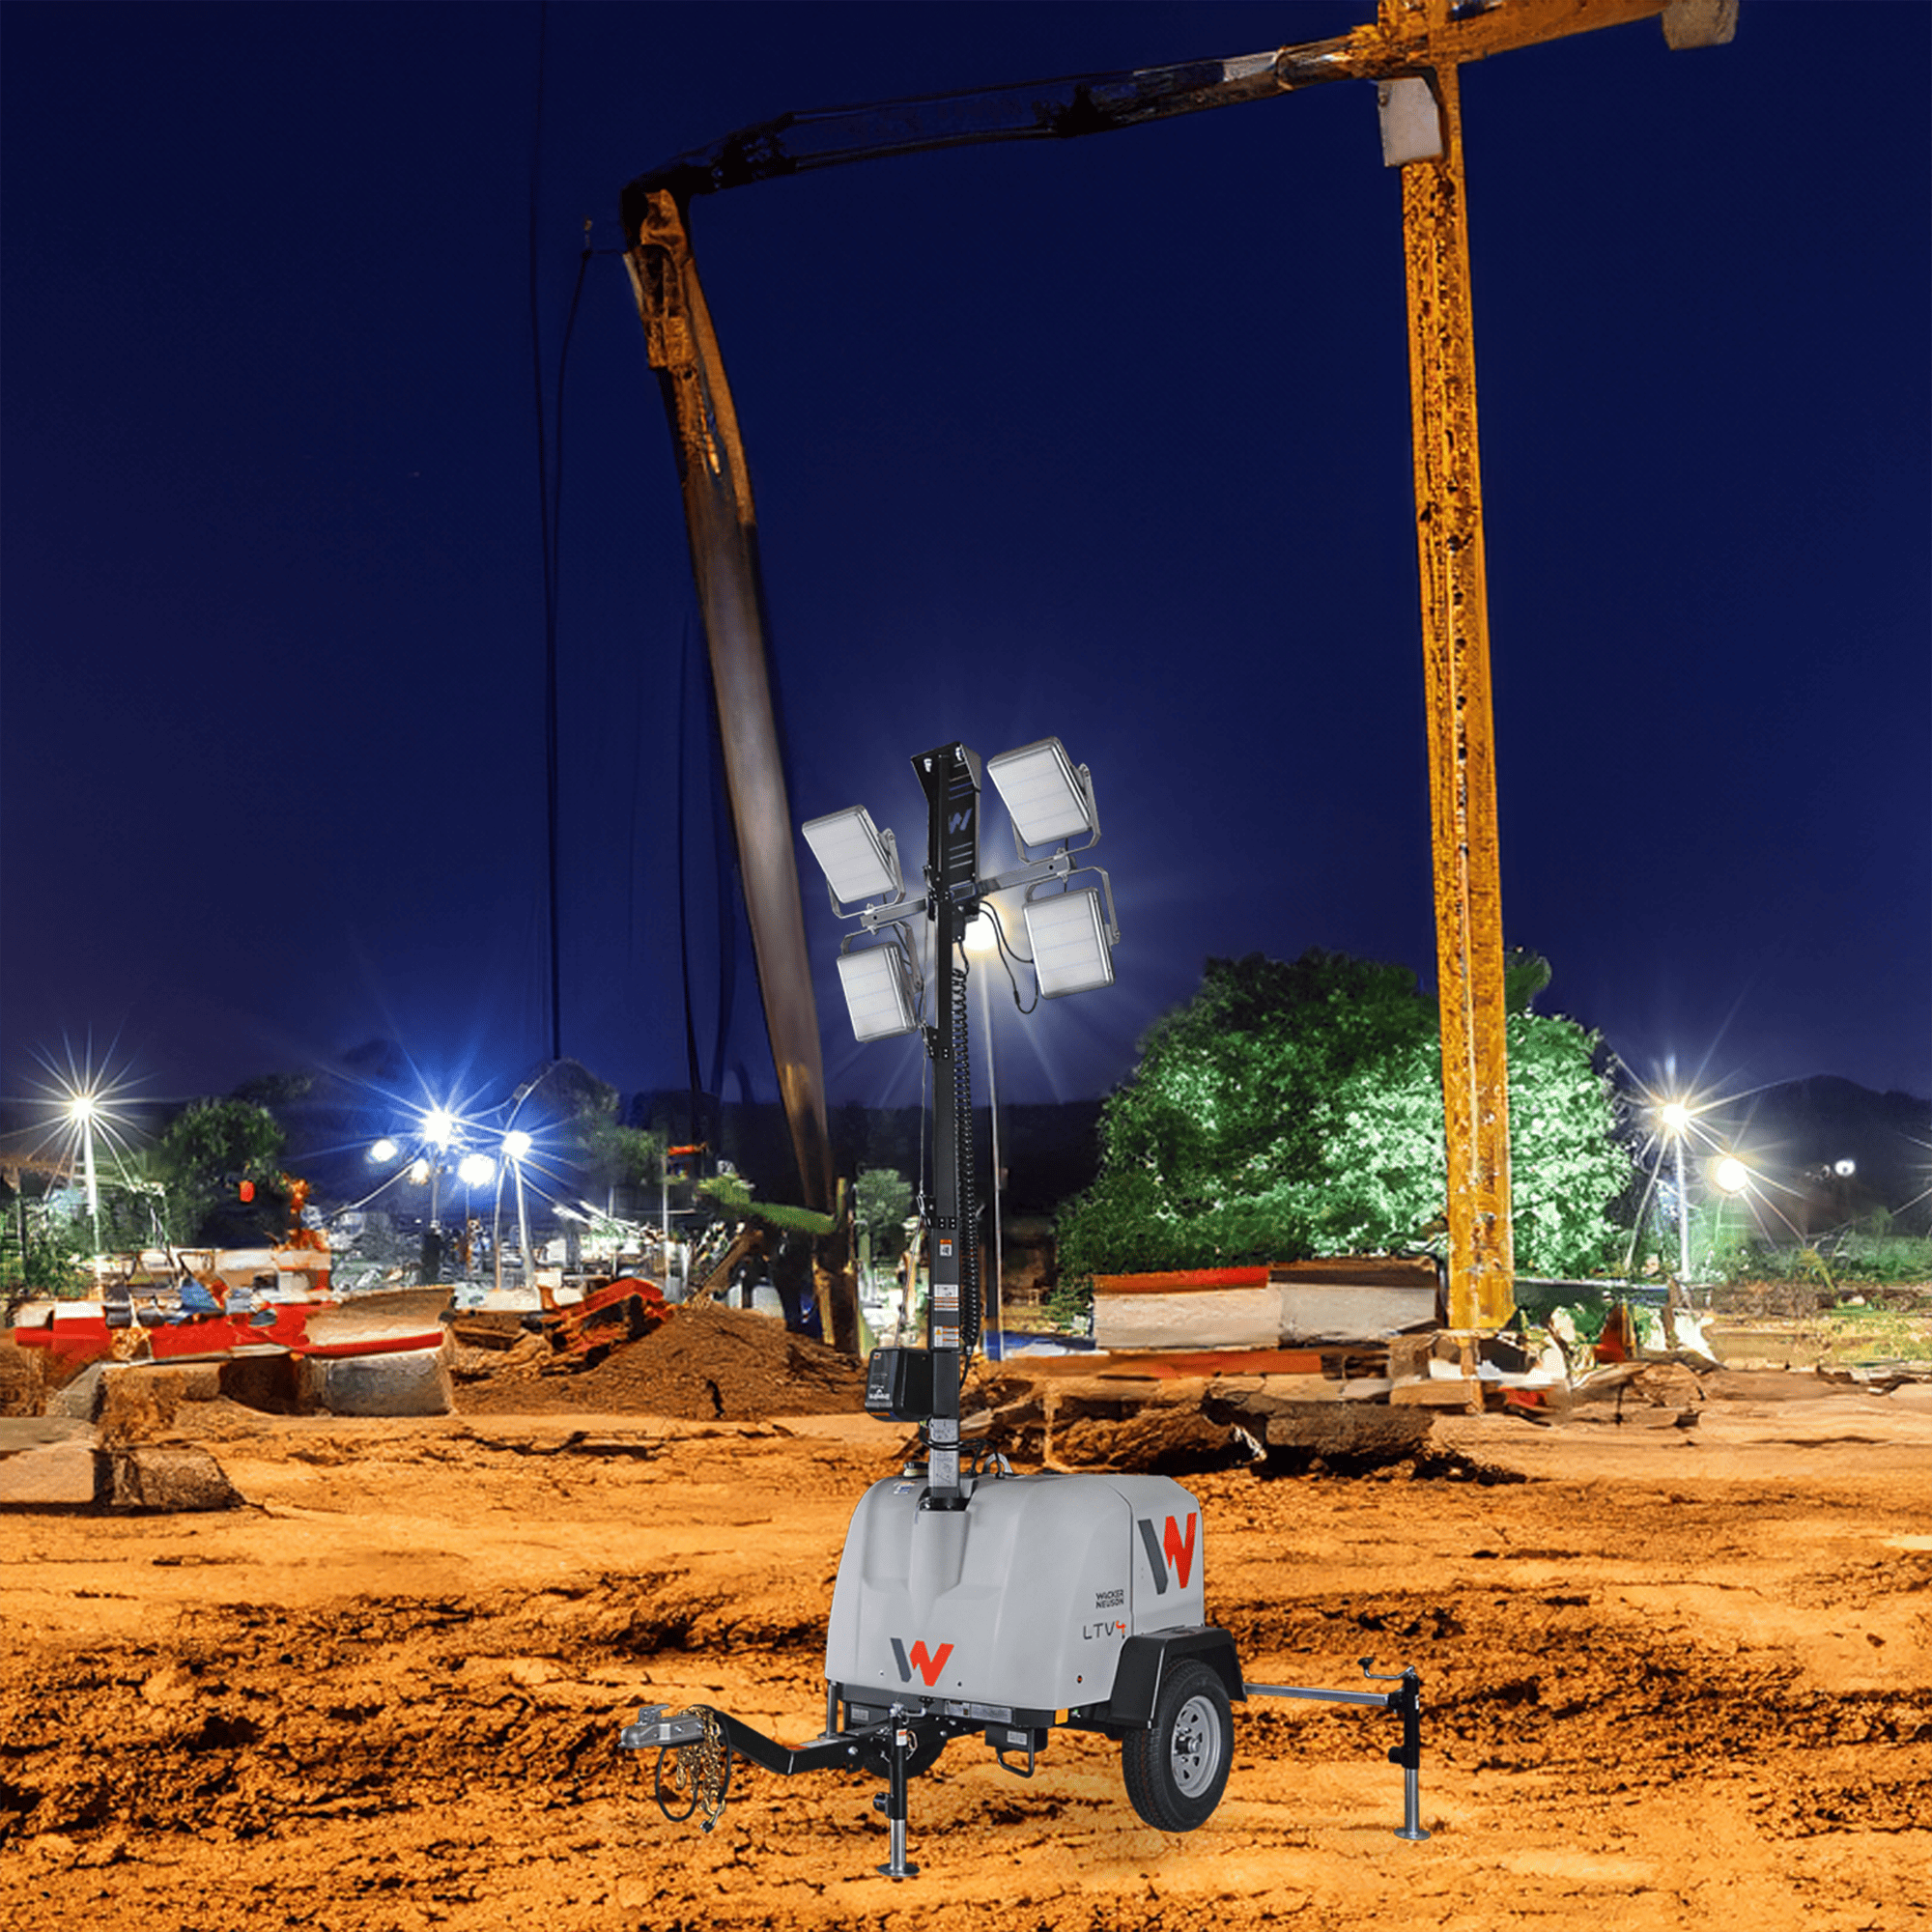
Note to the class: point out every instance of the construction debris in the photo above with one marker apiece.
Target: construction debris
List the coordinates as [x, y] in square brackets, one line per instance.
[706, 1363]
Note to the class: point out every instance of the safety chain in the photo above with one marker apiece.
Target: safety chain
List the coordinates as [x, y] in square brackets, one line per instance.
[696, 1776]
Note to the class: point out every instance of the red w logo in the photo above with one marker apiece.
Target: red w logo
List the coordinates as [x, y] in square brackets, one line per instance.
[1174, 1548]
[1178, 1551]
[929, 1665]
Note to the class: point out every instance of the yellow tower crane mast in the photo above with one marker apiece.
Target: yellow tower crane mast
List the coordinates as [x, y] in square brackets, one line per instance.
[1414, 52]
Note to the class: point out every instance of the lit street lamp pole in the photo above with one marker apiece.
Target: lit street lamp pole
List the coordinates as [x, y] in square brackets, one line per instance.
[1676, 1118]
[516, 1145]
[81, 1110]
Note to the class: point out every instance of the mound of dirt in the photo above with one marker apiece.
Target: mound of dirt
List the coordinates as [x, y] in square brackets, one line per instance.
[19, 1380]
[705, 1364]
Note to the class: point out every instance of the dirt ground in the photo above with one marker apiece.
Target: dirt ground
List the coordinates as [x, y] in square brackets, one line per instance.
[1674, 1676]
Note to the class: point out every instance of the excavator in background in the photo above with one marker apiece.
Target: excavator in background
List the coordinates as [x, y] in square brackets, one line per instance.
[1413, 51]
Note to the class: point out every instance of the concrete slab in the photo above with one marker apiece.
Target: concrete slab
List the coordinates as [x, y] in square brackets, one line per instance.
[54, 1476]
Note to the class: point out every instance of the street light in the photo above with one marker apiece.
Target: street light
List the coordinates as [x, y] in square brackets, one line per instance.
[517, 1146]
[1675, 1119]
[81, 1110]
[1730, 1176]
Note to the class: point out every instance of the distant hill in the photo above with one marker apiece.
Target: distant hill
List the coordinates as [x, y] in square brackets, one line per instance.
[1801, 1132]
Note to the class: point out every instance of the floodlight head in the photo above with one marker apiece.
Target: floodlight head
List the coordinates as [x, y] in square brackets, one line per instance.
[384, 1149]
[477, 1170]
[1068, 937]
[1047, 797]
[439, 1126]
[859, 861]
[516, 1144]
[878, 991]
[1731, 1175]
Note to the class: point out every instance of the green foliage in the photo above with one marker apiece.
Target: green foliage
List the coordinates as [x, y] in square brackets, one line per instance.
[52, 1247]
[1882, 1260]
[620, 1156]
[207, 1150]
[1525, 976]
[1070, 1307]
[276, 1090]
[1738, 1253]
[881, 1201]
[734, 1196]
[1288, 1110]
[1568, 1163]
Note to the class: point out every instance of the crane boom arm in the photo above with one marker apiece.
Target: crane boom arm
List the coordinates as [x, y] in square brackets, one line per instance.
[1411, 37]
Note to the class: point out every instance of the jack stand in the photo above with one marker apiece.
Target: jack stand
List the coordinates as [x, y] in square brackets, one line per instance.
[1407, 1701]
[892, 1801]
[1408, 1753]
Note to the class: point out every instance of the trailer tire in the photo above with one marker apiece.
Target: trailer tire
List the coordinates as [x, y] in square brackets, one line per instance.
[1176, 1770]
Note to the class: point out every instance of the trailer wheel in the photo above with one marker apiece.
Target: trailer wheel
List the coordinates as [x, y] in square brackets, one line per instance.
[1177, 1772]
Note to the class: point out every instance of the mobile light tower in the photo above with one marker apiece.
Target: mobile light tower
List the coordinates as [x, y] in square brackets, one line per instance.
[1071, 932]
[971, 1600]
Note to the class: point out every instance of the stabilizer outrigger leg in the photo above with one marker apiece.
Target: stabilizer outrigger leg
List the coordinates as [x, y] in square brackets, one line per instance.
[894, 1801]
[1407, 1702]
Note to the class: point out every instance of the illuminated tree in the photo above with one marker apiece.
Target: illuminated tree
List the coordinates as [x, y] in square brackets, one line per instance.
[881, 1201]
[213, 1153]
[1296, 1109]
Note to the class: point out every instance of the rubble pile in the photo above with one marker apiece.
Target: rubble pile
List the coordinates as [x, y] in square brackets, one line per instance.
[704, 1364]
[20, 1392]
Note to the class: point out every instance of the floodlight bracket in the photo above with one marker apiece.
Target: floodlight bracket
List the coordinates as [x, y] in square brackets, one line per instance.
[882, 913]
[1035, 872]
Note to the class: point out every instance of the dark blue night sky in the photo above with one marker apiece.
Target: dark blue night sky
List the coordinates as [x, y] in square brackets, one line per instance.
[1106, 440]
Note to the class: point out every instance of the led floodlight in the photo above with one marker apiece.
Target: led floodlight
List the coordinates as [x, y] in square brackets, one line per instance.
[878, 992]
[858, 860]
[1046, 797]
[1068, 937]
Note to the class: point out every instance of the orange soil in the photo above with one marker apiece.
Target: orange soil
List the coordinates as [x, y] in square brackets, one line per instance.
[1674, 1678]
